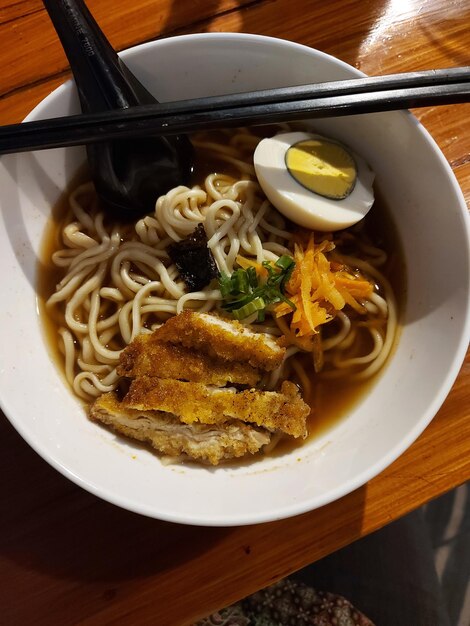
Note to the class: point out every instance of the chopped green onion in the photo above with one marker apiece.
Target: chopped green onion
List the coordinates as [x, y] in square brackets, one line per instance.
[285, 262]
[286, 278]
[236, 304]
[289, 302]
[225, 285]
[252, 277]
[257, 304]
[240, 282]
[244, 293]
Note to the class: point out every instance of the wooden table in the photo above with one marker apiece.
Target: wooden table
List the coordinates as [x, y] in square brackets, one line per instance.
[67, 557]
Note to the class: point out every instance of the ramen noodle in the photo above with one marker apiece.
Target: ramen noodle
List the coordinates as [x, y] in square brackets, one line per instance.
[118, 283]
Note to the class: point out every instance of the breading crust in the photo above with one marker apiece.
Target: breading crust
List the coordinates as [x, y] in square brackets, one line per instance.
[194, 402]
[168, 435]
[223, 339]
[146, 356]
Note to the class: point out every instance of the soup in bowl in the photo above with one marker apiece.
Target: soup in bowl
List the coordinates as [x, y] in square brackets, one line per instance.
[286, 376]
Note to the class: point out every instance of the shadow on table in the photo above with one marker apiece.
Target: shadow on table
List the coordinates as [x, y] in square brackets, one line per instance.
[51, 525]
[53, 530]
[317, 25]
[434, 31]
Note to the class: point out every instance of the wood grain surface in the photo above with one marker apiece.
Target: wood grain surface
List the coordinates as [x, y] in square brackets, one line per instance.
[67, 557]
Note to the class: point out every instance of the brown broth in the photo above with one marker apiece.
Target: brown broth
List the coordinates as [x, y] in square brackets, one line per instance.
[331, 399]
[48, 274]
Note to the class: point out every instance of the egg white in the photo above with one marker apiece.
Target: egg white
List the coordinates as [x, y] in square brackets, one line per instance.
[299, 204]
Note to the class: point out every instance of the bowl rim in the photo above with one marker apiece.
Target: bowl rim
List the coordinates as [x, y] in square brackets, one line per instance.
[359, 479]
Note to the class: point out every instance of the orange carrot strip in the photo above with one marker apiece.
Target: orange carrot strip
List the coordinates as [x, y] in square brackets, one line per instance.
[318, 289]
[246, 263]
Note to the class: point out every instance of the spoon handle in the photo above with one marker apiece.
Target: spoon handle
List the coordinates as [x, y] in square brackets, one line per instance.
[103, 80]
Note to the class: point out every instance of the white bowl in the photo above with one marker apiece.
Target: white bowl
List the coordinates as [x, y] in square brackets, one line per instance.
[431, 217]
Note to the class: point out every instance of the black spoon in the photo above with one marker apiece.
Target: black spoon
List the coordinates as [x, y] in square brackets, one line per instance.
[129, 174]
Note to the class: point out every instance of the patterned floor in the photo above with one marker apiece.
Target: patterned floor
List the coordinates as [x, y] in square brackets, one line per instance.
[413, 572]
[448, 522]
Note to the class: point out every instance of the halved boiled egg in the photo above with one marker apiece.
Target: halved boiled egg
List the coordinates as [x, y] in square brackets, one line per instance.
[314, 181]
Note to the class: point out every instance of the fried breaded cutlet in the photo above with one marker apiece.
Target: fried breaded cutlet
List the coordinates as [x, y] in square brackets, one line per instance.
[181, 397]
[146, 356]
[282, 410]
[220, 338]
[207, 443]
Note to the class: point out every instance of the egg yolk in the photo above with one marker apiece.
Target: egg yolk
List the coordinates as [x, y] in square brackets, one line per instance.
[324, 167]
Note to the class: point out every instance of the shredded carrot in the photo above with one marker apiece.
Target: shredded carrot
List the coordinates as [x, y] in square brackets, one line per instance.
[356, 287]
[246, 263]
[318, 289]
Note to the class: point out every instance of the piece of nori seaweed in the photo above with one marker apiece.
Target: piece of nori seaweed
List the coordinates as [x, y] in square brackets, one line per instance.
[194, 260]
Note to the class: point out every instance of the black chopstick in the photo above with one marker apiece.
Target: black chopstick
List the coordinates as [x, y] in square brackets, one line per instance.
[337, 98]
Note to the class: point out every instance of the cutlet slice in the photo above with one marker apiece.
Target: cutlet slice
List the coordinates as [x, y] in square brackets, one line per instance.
[283, 411]
[221, 338]
[163, 431]
[146, 356]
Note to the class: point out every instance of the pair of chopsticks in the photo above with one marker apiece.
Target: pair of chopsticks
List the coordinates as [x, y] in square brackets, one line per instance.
[332, 99]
